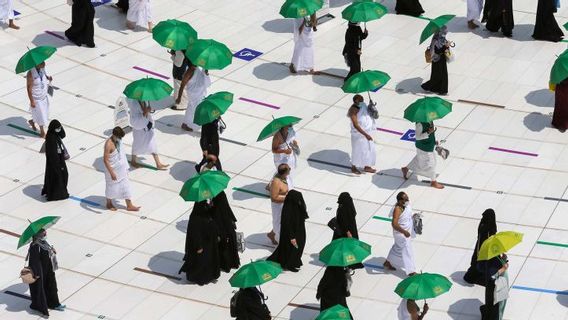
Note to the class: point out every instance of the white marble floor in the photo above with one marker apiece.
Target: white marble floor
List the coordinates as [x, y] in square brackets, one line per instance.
[124, 266]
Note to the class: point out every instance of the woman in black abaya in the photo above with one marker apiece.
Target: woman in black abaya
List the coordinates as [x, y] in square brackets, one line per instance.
[438, 82]
[82, 30]
[346, 223]
[487, 227]
[43, 263]
[201, 258]
[546, 28]
[225, 221]
[501, 17]
[292, 232]
[409, 7]
[56, 175]
[333, 288]
[122, 5]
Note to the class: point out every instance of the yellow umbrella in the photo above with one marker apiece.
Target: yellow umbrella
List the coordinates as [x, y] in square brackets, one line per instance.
[499, 243]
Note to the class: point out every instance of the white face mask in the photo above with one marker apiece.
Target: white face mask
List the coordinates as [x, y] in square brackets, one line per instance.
[290, 131]
[406, 203]
[58, 130]
[362, 104]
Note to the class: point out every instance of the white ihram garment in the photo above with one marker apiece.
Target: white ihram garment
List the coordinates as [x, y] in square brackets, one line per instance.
[139, 12]
[424, 163]
[196, 90]
[363, 152]
[119, 188]
[474, 8]
[6, 10]
[403, 313]
[144, 139]
[39, 94]
[276, 218]
[401, 253]
[303, 57]
[289, 159]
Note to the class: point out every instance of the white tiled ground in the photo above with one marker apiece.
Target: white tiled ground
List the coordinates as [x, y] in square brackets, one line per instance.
[99, 250]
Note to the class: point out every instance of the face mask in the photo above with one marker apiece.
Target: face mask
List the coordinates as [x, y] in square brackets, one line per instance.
[58, 130]
[406, 203]
[362, 104]
[290, 131]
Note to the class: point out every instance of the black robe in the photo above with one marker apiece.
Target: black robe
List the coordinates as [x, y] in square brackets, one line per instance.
[560, 114]
[332, 288]
[209, 142]
[487, 227]
[486, 9]
[490, 310]
[346, 221]
[546, 28]
[250, 305]
[56, 175]
[438, 82]
[225, 220]
[123, 6]
[353, 43]
[201, 268]
[501, 17]
[293, 226]
[82, 30]
[409, 7]
[44, 290]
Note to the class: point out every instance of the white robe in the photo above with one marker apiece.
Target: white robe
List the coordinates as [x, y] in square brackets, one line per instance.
[6, 10]
[289, 159]
[424, 163]
[401, 253]
[178, 61]
[119, 188]
[403, 313]
[474, 8]
[276, 218]
[40, 113]
[363, 151]
[303, 57]
[196, 89]
[144, 140]
[139, 12]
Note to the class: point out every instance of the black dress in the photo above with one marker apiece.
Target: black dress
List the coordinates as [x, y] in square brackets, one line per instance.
[225, 221]
[56, 175]
[293, 226]
[43, 291]
[346, 221]
[332, 288]
[209, 142]
[501, 17]
[250, 305]
[82, 30]
[353, 40]
[201, 268]
[490, 310]
[438, 82]
[122, 5]
[487, 227]
[546, 28]
[409, 7]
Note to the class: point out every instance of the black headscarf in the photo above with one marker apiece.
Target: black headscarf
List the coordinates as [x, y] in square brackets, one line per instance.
[346, 216]
[295, 201]
[487, 226]
[51, 129]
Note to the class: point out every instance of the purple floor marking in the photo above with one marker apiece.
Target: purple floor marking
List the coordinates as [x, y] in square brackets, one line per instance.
[514, 151]
[259, 103]
[390, 131]
[151, 72]
[51, 33]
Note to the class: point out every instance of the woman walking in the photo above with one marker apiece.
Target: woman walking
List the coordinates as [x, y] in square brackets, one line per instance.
[487, 227]
[438, 82]
[82, 30]
[56, 175]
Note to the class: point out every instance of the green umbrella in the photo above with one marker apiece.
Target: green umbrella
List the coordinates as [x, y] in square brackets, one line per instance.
[147, 89]
[35, 227]
[427, 109]
[565, 26]
[209, 54]
[203, 186]
[174, 34]
[423, 286]
[434, 26]
[212, 107]
[277, 124]
[559, 71]
[344, 252]
[365, 81]
[337, 312]
[34, 57]
[363, 11]
[255, 273]
[300, 8]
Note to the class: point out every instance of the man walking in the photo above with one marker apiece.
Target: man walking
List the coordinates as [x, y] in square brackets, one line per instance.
[424, 163]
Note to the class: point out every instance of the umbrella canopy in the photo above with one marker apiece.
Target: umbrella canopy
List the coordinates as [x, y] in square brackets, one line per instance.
[423, 286]
[203, 186]
[427, 109]
[212, 107]
[209, 54]
[35, 227]
[255, 273]
[344, 252]
[363, 11]
[434, 26]
[499, 243]
[148, 89]
[337, 312]
[559, 71]
[300, 8]
[277, 124]
[565, 26]
[365, 81]
[174, 34]
[34, 57]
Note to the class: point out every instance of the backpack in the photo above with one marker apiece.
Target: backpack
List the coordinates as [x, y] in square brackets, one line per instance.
[417, 223]
[233, 304]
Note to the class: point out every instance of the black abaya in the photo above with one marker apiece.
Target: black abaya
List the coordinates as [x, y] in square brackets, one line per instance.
[209, 142]
[293, 226]
[546, 28]
[438, 82]
[43, 291]
[501, 17]
[346, 221]
[82, 30]
[56, 175]
[353, 42]
[123, 6]
[487, 227]
[225, 221]
[409, 7]
[490, 310]
[250, 305]
[201, 268]
[332, 288]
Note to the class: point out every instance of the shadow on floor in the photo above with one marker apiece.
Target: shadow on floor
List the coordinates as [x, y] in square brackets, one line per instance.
[14, 303]
[464, 307]
[278, 26]
[34, 191]
[536, 121]
[389, 179]
[411, 85]
[457, 277]
[563, 298]
[257, 187]
[21, 122]
[308, 312]
[183, 170]
[335, 161]
[271, 71]
[168, 263]
[540, 98]
[256, 240]
[330, 81]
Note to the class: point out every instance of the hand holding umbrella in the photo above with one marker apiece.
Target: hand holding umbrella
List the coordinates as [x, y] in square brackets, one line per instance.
[35, 227]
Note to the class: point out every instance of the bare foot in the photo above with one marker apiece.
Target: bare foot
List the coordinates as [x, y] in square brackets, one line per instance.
[132, 208]
[162, 166]
[111, 207]
[186, 127]
[135, 164]
[355, 170]
[388, 266]
[292, 69]
[32, 124]
[272, 236]
[129, 25]
[437, 185]
[472, 25]
[369, 170]
[404, 173]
